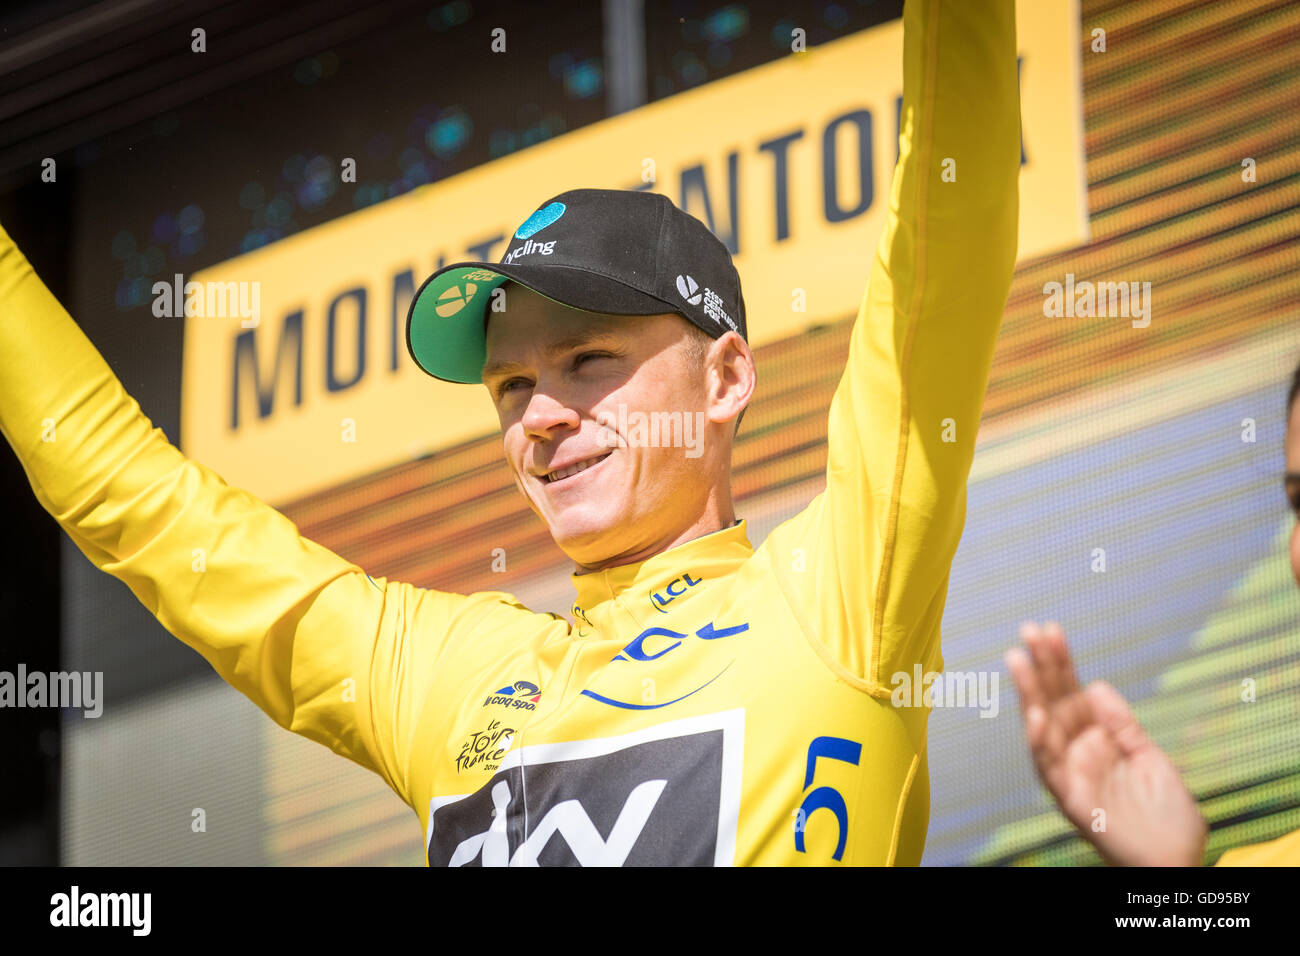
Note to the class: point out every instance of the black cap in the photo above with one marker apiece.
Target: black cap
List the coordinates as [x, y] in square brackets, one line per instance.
[614, 251]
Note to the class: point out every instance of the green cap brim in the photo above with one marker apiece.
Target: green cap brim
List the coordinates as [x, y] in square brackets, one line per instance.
[445, 328]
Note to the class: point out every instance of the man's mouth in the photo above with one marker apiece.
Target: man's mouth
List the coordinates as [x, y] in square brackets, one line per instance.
[577, 467]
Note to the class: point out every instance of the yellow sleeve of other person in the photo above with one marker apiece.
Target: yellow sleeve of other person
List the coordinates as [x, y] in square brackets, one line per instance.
[716, 704]
[1284, 851]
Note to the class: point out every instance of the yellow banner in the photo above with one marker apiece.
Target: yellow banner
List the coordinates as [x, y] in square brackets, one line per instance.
[320, 390]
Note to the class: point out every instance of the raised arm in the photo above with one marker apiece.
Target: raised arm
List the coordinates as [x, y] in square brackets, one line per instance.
[878, 543]
[314, 642]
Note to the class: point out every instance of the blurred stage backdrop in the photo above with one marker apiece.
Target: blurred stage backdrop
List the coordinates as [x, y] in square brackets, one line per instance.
[1112, 488]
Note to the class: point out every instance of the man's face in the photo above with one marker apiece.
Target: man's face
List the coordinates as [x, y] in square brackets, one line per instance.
[1293, 483]
[558, 377]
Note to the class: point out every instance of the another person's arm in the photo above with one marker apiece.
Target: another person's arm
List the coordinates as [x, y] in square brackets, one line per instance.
[1120, 790]
[866, 565]
[1091, 753]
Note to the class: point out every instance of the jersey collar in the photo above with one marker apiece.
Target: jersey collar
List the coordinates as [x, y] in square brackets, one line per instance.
[705, 558]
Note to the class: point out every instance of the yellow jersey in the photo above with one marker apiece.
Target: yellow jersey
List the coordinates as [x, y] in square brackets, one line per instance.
[716, 704]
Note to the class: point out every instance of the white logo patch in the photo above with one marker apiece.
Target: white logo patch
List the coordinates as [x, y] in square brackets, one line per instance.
[689, 289]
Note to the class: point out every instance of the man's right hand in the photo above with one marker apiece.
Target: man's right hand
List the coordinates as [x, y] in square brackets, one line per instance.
[1092, 755]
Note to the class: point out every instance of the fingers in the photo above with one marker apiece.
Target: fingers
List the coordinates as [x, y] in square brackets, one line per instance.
[1044, 732]
[1073, 707]
[1036, 731]
[1032, 636]
[1051, 659]
[1055, 711]
[1025, 676]
[1059, 651]
[1032, 704]
[1114, 713]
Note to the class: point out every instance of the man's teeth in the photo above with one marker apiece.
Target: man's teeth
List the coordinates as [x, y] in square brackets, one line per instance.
[574, 469]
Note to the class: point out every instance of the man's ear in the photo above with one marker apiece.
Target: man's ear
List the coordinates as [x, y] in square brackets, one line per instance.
[732, 377]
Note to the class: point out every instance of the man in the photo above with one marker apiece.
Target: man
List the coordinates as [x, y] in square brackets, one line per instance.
[712, 703]
[1091, 752]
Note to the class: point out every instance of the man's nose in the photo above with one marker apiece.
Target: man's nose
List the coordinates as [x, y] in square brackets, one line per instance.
[547, 412]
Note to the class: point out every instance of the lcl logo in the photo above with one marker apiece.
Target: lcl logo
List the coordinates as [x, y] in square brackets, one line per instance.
[676, 588]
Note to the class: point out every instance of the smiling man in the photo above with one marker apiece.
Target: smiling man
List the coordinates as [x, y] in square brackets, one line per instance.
[566, 382]
[711, 703]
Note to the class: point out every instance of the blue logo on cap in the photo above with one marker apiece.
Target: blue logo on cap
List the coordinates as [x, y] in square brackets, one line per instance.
[540, 220]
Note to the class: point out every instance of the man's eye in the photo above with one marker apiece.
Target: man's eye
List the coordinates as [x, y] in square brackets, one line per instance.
[583, 357]
[512, 383]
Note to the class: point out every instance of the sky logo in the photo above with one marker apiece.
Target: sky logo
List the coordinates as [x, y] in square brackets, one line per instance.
[540, 220]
